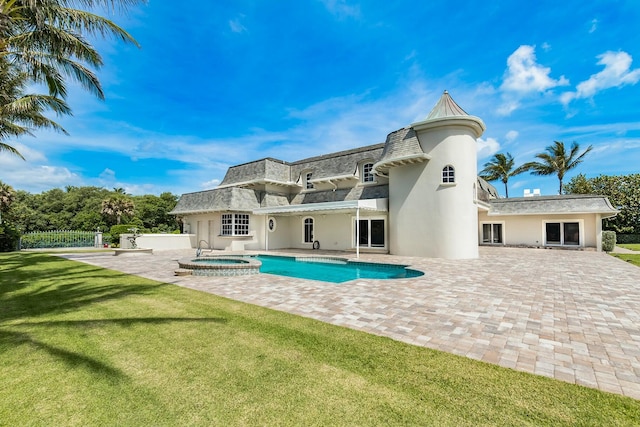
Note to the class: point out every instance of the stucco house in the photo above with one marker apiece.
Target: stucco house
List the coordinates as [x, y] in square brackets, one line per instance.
[417, 194]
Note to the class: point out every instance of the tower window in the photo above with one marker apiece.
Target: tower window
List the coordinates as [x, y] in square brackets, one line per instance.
[448, 175]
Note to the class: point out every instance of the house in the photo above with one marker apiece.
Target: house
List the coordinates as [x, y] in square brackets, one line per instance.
[417, 194]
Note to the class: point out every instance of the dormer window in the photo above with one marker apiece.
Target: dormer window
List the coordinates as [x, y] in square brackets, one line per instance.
[448, 175]
[367, 172]
[307, 180]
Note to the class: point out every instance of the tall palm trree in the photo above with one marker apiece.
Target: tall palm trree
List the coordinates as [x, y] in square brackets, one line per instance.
[43, 42]
[557, 161]
[500, 167]
[117, 206]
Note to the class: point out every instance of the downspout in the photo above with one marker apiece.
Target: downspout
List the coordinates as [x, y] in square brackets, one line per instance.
[358, 232]
[266, 233]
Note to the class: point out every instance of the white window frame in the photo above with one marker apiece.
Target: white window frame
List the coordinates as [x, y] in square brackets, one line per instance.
[308, 185]
[448, 176]
[304, 229]
[562, 222]
[354, 241]
[491, 242]
[367, 177]
[234, 224]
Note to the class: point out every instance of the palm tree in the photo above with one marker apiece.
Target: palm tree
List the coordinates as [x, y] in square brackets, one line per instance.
[557, 161]
[501, 167]
[116, 206]
[20, 112]
[45, 40]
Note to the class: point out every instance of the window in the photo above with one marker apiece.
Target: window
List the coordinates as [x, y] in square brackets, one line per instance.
[271, 224]
[367, 173]
[492, 234]
[370, 234]
[307, 180]
[562, 233]
[448, 175]
[307, 231]
[235, 224]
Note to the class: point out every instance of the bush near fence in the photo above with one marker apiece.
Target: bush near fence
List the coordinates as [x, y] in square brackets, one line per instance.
[57, 239]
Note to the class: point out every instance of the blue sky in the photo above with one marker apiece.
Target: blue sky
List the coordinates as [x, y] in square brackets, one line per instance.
[214, 85]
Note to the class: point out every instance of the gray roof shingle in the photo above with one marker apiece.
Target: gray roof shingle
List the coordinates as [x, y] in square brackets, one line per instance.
[219, 199]
[536, 205]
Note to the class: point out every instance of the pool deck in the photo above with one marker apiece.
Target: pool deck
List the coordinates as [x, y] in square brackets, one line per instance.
[565, 314]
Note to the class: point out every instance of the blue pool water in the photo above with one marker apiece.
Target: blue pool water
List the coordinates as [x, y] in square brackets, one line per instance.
[335, 271]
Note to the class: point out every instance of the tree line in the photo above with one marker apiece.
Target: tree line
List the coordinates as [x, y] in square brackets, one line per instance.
[83, 208]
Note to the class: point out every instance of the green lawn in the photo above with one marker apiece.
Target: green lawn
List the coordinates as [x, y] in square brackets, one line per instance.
[81, 345]
[631, 246]
[631, 258]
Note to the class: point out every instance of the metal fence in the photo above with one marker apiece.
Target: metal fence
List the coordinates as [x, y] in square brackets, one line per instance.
[60, 239]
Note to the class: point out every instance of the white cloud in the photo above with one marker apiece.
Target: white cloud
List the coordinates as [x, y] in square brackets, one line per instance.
[341, 8]
[210, 184]
[525, 75]
[507, 107]
[616, 73]
[32, 178]
[487, 147]
[594, 26]
[511, 135]
[237, 26]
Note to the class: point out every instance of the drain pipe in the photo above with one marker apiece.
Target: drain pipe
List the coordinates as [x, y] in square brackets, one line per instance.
[266, 233]
[358, 232]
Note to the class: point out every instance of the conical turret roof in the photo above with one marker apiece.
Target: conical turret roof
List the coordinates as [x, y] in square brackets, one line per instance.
[446, 107]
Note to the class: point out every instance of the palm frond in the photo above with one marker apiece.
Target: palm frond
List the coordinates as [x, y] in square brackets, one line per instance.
[8, 148]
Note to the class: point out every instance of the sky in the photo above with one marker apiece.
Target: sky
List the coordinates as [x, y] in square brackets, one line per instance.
[222, 83]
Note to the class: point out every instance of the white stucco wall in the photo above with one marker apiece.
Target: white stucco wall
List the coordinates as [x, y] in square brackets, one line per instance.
[529, 230]
[429, 218]
[207, 227]
[160, 241]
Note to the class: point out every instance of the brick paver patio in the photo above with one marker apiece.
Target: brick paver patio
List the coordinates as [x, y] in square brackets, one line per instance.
[569, 315]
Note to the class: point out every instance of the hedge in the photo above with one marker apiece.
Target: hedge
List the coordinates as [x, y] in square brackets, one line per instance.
[628, 238]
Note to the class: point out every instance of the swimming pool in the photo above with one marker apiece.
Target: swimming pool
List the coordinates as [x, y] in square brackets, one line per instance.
[326, 269]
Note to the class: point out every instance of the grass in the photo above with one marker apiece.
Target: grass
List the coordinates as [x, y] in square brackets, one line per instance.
[630, 246]
[81, 345]
[630, 258]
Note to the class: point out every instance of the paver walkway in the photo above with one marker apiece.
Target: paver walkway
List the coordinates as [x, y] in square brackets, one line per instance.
[569, 315]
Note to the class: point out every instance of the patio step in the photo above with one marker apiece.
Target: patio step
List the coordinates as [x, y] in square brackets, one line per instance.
[182, 272]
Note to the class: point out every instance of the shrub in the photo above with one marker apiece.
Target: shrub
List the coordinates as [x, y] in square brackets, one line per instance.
[608, 240]
[117, 230]
[9, 238]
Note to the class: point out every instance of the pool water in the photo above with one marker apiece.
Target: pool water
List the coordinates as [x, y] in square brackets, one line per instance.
[332, 270]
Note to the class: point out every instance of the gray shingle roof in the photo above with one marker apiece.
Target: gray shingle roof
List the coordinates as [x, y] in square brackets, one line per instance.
[486, 191]
[574, 203]
[340, 164]
[219, 199]
[401, 146]
[267, 169]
